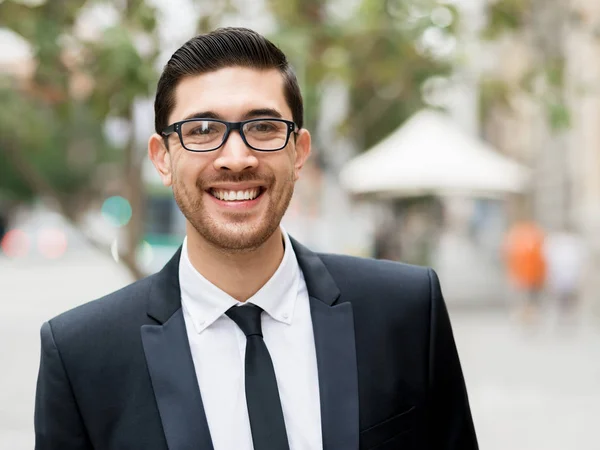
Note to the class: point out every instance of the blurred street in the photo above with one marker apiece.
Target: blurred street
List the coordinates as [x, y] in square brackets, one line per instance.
[533, 389]
[536, 389]
[33, 290]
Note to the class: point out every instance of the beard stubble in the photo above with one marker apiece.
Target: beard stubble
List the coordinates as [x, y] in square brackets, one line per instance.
[232, 233]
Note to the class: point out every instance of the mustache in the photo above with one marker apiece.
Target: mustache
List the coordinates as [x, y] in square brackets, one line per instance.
[241, 177]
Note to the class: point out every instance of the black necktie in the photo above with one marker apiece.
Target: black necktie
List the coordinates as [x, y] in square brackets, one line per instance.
[262, 395]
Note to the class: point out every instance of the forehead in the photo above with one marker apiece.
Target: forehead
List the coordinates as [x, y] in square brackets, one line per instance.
[230, 93]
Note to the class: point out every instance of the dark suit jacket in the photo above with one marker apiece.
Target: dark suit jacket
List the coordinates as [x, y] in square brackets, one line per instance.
[117, 373]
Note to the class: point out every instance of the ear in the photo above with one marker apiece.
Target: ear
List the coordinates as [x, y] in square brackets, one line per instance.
[303, 149]
[161, 158]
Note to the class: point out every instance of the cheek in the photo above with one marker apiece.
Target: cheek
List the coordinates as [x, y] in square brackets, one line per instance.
[283, 172]
[287, 163]
[188, 169]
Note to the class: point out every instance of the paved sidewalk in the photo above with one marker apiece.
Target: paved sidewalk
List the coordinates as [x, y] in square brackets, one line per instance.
[32, 291]
[536, 390]
[531, 389]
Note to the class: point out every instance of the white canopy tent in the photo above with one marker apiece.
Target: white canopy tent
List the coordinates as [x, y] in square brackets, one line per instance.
[429, 155]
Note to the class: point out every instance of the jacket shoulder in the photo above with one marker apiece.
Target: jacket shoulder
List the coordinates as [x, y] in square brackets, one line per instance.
[121, 305]
[383, 287]
[353, 270]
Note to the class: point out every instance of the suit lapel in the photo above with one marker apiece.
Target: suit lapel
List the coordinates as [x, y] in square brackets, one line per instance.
[171, 367]
[333, 326]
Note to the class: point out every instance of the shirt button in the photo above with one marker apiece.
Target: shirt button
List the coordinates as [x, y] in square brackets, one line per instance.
[202, 322]
[286, 315]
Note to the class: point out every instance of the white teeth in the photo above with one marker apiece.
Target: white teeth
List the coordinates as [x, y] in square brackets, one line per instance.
[248, 194]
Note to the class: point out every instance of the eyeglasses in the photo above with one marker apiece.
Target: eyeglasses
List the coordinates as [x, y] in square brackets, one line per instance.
[206, 135]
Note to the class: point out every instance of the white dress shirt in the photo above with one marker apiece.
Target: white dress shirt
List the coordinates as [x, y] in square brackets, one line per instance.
[218, 348]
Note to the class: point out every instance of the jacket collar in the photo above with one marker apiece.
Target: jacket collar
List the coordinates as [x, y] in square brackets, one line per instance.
[165, 294]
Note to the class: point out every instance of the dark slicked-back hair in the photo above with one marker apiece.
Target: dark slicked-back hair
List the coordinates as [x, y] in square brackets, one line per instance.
[224, 47]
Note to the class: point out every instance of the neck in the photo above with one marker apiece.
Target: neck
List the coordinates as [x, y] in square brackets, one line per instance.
[239, 274]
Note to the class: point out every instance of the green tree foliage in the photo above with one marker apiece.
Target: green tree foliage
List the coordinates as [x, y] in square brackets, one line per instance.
[506, 16]
[49, 151]
[52, 124]
[518, 17]
[373, 46]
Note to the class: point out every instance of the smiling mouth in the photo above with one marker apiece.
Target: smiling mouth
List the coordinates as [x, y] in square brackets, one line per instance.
[236, 196]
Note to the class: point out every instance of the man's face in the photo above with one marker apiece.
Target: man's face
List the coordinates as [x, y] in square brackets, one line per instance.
[203, 183]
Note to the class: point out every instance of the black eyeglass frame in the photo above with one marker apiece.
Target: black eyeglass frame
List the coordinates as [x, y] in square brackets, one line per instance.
[176, 128]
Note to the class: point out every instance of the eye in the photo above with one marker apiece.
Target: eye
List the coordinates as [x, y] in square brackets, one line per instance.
[263, 127]
[203, 129]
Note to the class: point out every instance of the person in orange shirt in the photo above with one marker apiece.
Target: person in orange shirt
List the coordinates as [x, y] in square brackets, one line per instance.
[525, 262]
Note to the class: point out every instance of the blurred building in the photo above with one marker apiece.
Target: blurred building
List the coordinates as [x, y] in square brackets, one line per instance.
[583, 69]
[545, 111]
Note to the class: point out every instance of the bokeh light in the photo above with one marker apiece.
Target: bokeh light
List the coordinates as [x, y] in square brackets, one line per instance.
[116, 211]
[16, 244]
[442, 17]
[52, 243]
[436, 90]
[145, 254]
[114, 250]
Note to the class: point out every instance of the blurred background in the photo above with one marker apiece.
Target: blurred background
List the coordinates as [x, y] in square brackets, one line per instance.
[459, 134]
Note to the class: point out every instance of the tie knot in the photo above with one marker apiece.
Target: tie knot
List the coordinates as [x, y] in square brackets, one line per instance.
[247, 317]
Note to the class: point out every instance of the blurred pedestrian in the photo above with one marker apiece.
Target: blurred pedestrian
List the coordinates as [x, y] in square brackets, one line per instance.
[247, 339]
[565, 255]
[526, 265]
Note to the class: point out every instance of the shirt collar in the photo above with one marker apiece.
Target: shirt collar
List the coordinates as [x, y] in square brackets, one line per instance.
[205, 302]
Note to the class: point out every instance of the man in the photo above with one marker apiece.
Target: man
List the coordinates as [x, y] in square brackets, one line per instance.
[246, 339]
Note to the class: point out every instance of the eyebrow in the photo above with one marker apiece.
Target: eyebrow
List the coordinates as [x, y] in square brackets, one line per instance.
[263, 112]
[252, 114]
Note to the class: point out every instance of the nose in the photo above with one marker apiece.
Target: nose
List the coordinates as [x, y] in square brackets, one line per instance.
[235, 155]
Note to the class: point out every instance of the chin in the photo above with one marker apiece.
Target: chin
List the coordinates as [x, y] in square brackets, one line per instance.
[236, 237]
